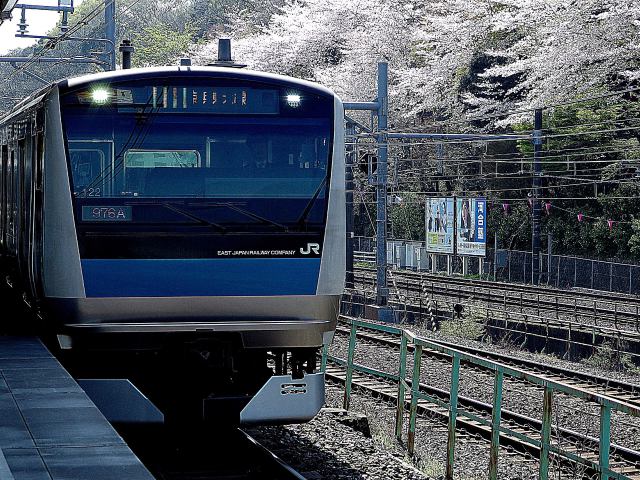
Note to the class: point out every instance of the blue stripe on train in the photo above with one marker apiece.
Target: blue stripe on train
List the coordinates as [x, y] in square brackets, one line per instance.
[200, 277]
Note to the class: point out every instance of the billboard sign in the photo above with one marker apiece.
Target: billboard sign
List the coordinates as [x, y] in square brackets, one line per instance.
[471, 226]
[439, 224]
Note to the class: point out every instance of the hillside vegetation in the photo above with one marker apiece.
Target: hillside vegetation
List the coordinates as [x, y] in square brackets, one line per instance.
[455, 66]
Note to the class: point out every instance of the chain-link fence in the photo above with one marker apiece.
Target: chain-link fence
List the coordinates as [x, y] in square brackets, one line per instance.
[512, 266]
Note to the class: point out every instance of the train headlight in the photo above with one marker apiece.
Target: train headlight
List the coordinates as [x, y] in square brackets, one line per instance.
[293, 100]
[100, 95]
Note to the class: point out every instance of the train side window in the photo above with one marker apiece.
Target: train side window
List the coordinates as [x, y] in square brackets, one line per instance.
[11, 192]
[3, 191]
[18, 174]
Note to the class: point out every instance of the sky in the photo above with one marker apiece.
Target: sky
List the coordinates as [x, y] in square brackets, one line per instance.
[40, 22]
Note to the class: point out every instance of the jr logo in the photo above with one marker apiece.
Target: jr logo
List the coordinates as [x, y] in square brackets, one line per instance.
[311, 247]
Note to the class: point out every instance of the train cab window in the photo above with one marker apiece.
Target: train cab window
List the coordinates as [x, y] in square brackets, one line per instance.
[272, 164]
[162, 173]
[197, 146]
[89, 168]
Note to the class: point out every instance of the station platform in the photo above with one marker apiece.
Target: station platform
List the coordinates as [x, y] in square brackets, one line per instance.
[49, 428]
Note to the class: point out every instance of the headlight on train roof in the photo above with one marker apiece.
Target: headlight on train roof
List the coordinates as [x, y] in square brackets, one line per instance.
[293, 100]
[97, 95]
[100, 95]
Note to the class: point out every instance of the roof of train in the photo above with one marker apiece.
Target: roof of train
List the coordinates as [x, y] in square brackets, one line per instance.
[155, 72]
[193, 71]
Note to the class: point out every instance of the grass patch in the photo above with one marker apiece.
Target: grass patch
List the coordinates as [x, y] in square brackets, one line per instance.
[612, 356]
[470, 325]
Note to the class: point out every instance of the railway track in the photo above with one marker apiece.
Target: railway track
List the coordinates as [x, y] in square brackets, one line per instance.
[619, 314]
[624, 461]
[598, 295]
[212, 453]
[621, 391]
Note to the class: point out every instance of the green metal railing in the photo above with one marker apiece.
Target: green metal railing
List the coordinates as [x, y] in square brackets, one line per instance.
[542, 442]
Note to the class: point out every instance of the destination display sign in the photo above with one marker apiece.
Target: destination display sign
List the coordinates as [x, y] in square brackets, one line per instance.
[106, 214]
[218, 100]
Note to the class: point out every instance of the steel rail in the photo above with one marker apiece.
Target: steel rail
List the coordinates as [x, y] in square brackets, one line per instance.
[521, 432]
[439, 286]
[614, 389]
[277, 468]
[196, 452]
[503, 319]
[621, 298]
[550, 290]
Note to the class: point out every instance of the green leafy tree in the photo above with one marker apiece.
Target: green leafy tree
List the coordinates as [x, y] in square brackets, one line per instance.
[407, 217]
[634, 241]
[161, 45]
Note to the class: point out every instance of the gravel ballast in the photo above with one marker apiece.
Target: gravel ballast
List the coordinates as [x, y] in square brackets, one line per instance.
[325, 448]
[472, 457]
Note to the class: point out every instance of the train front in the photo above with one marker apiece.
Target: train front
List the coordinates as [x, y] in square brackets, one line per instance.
[204, 205]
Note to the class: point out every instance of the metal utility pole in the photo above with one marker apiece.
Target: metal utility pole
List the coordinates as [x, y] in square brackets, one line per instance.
[349, 163]
[65, 7]
[382, 294]
[535, 217]
[110, 33]
[380, 108]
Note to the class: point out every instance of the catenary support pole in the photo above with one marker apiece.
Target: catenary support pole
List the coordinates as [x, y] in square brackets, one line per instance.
[349, 163]
[382, 292]
[110, 33]
[535, 217]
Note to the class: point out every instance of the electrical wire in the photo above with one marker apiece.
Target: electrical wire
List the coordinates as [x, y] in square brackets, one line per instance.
[50, 44]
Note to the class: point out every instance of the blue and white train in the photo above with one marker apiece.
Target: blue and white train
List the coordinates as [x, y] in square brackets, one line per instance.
[202, 207]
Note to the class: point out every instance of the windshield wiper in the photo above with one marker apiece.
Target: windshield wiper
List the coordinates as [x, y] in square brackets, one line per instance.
[248, 213]
[307, 209]
[190, 215]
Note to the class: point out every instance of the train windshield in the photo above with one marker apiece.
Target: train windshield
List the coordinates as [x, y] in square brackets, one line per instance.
[216, 155]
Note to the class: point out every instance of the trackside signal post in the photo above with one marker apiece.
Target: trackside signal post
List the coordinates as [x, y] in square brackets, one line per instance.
[380, 108]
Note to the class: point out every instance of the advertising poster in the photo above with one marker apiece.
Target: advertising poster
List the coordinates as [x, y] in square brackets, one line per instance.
[439, 225]
[471, 226]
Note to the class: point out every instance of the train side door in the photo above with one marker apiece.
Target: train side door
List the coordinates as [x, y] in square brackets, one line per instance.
[3, 196]
[11, 201]
[24, 193]
[92, 167]
[37, 202]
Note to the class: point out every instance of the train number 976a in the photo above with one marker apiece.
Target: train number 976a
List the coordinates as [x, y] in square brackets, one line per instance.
[106, 213]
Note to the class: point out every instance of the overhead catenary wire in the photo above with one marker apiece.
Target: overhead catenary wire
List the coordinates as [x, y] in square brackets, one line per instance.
[50, 44]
